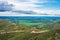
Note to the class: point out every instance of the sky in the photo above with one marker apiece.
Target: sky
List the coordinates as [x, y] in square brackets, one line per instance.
[51, 7]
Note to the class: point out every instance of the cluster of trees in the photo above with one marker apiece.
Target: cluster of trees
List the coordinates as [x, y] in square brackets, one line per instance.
[48, 25]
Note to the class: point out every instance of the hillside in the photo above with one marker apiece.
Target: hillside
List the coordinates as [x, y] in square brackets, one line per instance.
[50, 35]
[38, 22]
[6, 25]
[10, 30]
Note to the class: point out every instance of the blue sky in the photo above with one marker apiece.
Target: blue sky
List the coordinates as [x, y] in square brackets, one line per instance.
[38, 6]
[50, 5]
[42, 4]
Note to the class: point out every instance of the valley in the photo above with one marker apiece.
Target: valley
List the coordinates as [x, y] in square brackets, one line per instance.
[29, 28]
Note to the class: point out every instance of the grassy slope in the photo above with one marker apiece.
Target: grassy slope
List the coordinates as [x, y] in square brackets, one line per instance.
[51, 35]
[9, 26]
[6, 25]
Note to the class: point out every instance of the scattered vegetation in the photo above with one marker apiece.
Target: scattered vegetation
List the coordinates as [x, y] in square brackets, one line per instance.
[52, 34]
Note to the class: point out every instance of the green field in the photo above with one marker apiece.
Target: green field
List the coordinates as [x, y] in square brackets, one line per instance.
[28, 23]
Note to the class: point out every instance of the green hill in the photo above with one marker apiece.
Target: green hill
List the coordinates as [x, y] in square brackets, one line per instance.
[10, 26]
[53, 32]
[51, 35]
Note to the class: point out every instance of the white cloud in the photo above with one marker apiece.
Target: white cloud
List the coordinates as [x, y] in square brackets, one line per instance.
[21, 5]
[48, 12]
[30, 6]
[32, 0]
[24, 6]
[38, 13]
[38, 1]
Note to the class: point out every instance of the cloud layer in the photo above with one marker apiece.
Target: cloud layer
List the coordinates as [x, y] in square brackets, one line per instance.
[41, 7]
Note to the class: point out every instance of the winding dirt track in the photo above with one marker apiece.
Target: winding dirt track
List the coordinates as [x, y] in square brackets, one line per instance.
[21, 31]
[12, 31]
